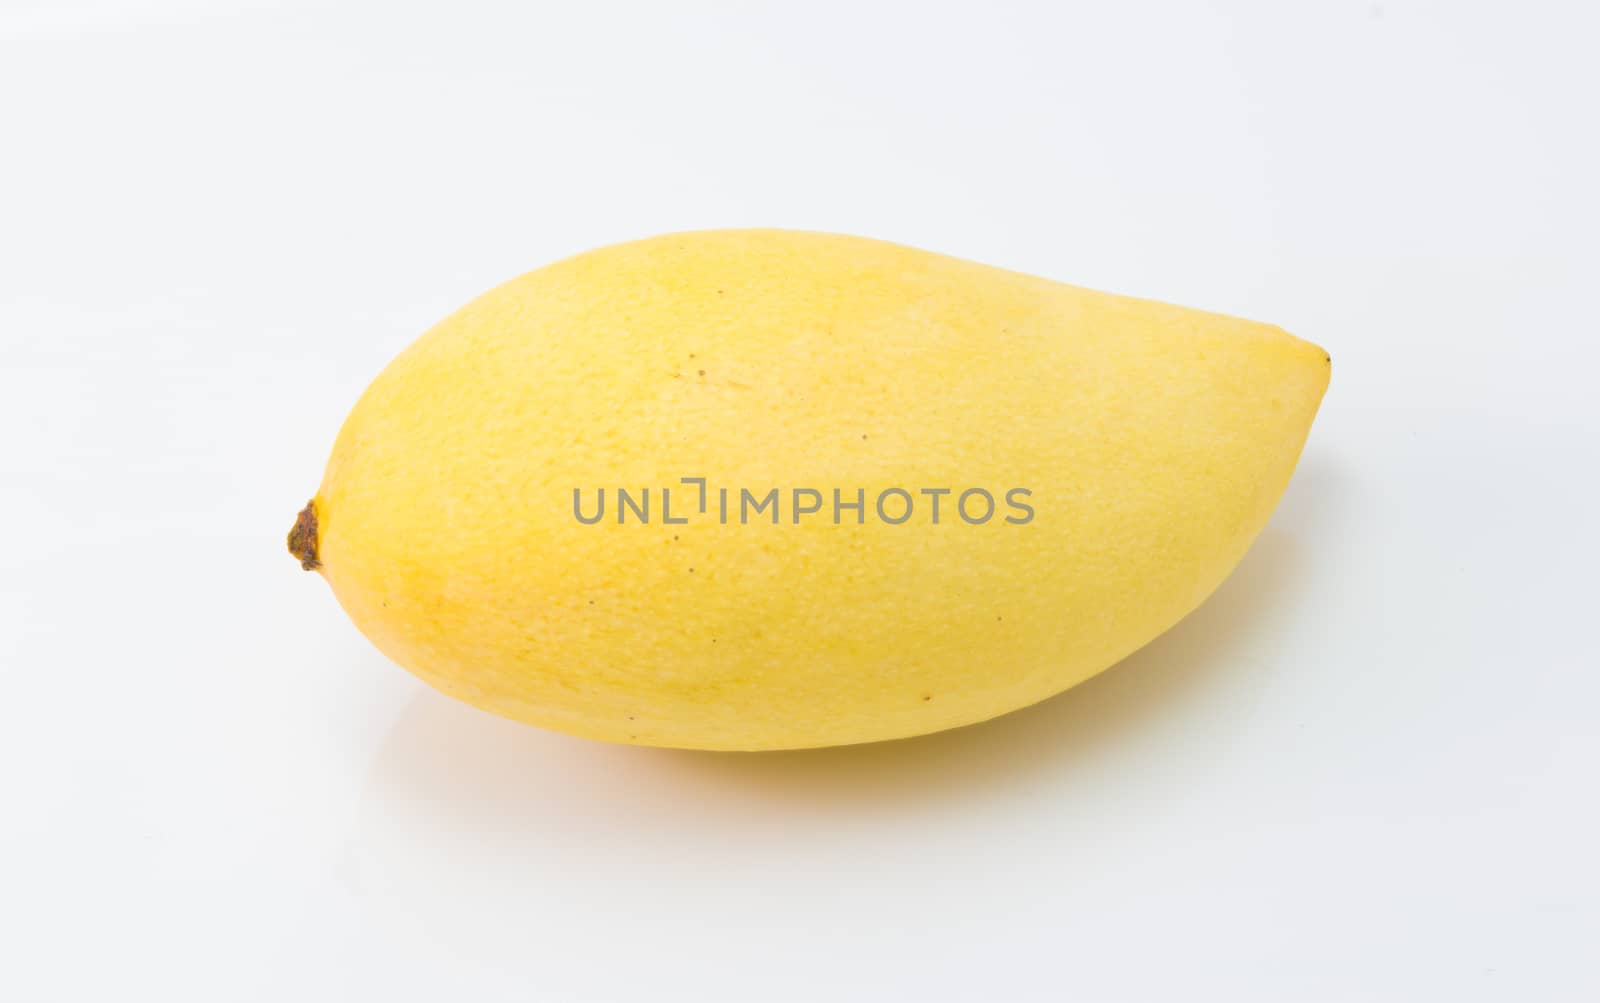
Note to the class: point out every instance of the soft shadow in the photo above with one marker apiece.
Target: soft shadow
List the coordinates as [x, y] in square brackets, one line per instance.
[462, 762]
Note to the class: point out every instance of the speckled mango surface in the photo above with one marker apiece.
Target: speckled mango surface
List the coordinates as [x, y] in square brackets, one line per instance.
[1130, 452]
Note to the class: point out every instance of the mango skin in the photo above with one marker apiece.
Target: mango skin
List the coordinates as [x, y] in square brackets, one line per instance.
[1155, 442]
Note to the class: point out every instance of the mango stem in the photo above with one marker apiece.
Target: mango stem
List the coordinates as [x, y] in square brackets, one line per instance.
[303, 537]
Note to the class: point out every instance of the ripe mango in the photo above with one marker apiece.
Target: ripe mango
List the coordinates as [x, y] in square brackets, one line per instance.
[765, 489]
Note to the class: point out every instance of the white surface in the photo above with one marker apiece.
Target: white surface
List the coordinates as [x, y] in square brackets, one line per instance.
[1366, 770]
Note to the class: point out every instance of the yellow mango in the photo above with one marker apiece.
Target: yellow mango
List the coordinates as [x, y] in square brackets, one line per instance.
[852, 491]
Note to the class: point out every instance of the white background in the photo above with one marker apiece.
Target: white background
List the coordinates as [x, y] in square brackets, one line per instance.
[1367, 769]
